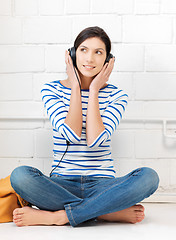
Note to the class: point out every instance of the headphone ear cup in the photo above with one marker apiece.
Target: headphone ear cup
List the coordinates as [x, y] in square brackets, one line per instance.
[108, 58]
[72, 52]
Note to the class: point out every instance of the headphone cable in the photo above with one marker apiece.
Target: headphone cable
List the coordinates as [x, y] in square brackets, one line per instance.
[77, 79]
[60, 160]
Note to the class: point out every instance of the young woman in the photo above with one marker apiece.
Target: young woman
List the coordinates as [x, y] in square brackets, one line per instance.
[82, 186]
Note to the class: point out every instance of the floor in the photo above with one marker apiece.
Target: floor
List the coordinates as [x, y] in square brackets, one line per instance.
[159, 223]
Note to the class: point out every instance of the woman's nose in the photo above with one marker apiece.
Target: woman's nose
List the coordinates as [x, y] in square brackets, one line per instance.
[89, 57]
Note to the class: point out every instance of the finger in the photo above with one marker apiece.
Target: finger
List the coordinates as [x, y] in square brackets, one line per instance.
[69, 59]
[66, 57]
[111, 64]
[111, 61]
[105, 66]
[109, 68]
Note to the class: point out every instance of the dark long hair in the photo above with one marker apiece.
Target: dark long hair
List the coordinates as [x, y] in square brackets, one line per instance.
[93, 32]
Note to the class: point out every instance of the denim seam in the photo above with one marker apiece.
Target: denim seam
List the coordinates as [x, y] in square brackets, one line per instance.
[102, 193]
[69, 207]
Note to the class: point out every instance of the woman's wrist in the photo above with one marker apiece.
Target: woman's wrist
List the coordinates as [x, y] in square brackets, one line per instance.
[75, 88]
[93, 90]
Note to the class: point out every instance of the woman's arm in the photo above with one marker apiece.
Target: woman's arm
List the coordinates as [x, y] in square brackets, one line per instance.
[74, 115]
[94, 123]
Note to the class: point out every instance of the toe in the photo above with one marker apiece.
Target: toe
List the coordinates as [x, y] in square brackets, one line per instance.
[139, 207]
[17, 217]
[19, 224]
[18, 211]
[139, 214]
[140, 217]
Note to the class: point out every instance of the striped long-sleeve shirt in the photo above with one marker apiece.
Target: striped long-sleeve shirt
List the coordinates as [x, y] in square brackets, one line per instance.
[81, 158]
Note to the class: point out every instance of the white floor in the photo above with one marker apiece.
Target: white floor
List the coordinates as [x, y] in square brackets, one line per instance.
[159, 223]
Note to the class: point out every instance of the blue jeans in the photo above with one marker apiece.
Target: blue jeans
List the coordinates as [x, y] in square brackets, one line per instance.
[83, 197]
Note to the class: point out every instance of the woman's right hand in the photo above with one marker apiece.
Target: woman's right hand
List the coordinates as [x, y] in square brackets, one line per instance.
[70, 71]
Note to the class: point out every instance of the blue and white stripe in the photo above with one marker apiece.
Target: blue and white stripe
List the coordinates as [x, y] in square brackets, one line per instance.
[81, 158]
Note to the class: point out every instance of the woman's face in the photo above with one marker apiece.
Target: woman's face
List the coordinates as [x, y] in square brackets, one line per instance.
[90, 56]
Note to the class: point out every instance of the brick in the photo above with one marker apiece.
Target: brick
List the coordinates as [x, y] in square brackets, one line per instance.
[5, 8]
[154, 125]
[152, 144]
[147, 6]
[122, 144]
[21, 109]
[168, 6]
[47, 29]
[16, 143]
[43, 143]
[106, 7]
[129, 58]
[160, 109]
[51, 7]
[105, 21]
[127, 124]
[55, 58]
[16, 87]
[161, 58]
[26, 7]
[123, 7]
[21, 59]
[147, 29]
[150, 109]
[7, 124]
[10, 30]
[77, 7]
[155, 86]
[134, 110]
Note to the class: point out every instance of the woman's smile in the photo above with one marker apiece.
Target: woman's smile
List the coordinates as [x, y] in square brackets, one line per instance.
[88, 67]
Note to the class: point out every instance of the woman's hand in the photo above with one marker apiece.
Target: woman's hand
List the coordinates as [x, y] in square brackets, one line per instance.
[70, 71]
[103, 76]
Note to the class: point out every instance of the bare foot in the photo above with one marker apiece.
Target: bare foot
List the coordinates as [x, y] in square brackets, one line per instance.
[28, 216]
[133, 214]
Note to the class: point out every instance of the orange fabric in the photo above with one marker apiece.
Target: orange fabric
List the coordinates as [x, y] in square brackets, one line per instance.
[9, 200]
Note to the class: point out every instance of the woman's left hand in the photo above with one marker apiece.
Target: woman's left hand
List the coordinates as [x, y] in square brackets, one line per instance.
[103, 76]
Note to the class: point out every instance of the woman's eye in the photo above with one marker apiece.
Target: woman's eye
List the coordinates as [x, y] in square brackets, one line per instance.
[84, 50]
[98, 52]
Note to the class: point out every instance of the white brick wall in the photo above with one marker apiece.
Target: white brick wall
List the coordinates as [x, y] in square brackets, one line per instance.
[5, 8]
[25, 7]
[21, 59]
[51, 7]
[47, 29]
[10, 30]
[33, 38]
